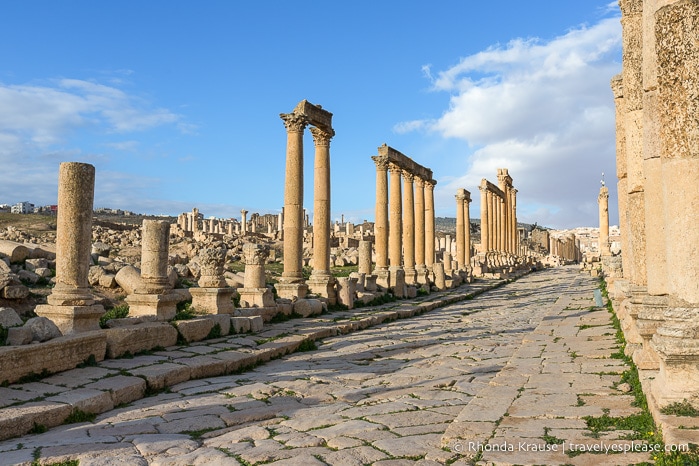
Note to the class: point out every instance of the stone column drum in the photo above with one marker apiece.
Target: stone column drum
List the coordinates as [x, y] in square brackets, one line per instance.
[154, 297]
[71, 305]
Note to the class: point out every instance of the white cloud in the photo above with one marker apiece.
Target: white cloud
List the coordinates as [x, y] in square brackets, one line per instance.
[542, 109]
[39, 120]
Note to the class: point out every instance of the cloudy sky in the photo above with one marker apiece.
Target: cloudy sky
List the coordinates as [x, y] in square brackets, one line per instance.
[177, 103]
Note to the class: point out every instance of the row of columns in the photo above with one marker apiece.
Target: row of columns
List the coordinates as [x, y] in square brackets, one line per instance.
[499, 215]
[404, 222]
[463, 229]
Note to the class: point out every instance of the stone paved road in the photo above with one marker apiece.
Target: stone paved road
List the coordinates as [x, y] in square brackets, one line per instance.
[508, 366]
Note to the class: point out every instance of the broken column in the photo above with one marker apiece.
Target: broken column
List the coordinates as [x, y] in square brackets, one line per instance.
[255, 292]
[71, 305]
[213, 296]
[154, 295]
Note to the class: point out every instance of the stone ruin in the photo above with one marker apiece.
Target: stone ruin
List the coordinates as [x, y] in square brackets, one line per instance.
[657, 296]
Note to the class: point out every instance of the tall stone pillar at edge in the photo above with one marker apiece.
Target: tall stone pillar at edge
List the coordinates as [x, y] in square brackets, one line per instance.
[409, 228]
[460, 233]
[381, 225]
[395, 246]
[420, 267]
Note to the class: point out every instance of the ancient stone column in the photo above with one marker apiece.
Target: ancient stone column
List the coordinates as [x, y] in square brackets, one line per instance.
[381, 220]
[155, 244]
[195, 219]
[513, 216]
[603, 202]
[293, 199]
[321, 281]
[364, 257]
[485, 219]
[213, 296]
[396, 218]
[254, 292]
[502, 222]
[467, 229]
[460, 233]
[321, 202]
[420, 230]
[71, 305]
[617, 86]
[676, 341]
[346, 290]
[409, 228]
[243, 221]
[429, 223]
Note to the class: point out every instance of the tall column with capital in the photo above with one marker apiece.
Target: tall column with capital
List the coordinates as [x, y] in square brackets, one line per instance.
[397, 274]
[409, 228]
[467, 229]
[502, 222]
[429, 223]
[513, 220]
[420, 230]
[293, 198]
[603, 202]
[460, 238]
[395, 245]
[244, 221]
[381, 219]
[484, 218]
[321, 280]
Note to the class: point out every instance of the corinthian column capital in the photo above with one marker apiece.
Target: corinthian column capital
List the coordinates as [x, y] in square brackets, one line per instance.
[321, 137]
[294, 122]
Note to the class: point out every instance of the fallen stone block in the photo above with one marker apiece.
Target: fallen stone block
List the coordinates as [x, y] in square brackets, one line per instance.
[15, 251]
[15, 292]
[240, 324]
[195, 329]
[17, 336]
[9, 317]
[308, 307]
[256, 323]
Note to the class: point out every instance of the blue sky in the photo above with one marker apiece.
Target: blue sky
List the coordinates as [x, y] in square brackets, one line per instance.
[177, 103]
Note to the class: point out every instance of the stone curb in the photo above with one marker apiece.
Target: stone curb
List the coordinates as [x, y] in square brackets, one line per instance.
[21, 418]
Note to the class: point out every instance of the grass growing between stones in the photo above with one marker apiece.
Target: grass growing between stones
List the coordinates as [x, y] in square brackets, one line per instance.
[683, 408]
[641, 424]
[78, 415]
[117, 312]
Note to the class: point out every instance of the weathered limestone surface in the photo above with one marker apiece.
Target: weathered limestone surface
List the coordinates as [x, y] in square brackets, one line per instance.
[386, 393]
[56, 355]
[140, 337]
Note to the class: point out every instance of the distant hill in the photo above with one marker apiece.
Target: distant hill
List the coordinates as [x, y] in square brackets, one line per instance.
[448, 224]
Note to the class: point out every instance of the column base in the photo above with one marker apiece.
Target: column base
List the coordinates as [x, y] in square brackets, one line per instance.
[213, 300]
[629, 310]
[410, 275]
[423, 276]
[72, 319]
[370, 283]
[163, 306]
[382, 278]
[440, 279]
[676, 344]
[324, 286]
[649, 318]
[291, 290]
[346, 290]
[396, 281]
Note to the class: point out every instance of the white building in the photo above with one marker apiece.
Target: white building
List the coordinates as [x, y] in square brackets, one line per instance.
[23, 208]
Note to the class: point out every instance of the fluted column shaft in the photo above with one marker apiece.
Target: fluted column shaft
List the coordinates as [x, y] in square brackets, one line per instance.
[484, 219]
[467, 230]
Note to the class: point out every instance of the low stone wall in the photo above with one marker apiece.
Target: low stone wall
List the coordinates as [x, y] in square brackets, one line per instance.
[59, 354]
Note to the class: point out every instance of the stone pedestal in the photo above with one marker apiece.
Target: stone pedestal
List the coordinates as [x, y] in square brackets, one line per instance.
[370, 283]
[649, 317]
[291, 290]
[397, 281]
[163, 305]
[346, 289]
[439, 276]
[255, 297]
[382, 278]
[213, 300]
[323, 286]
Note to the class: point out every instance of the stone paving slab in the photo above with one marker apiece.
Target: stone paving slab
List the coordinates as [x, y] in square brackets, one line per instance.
[389, 394]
